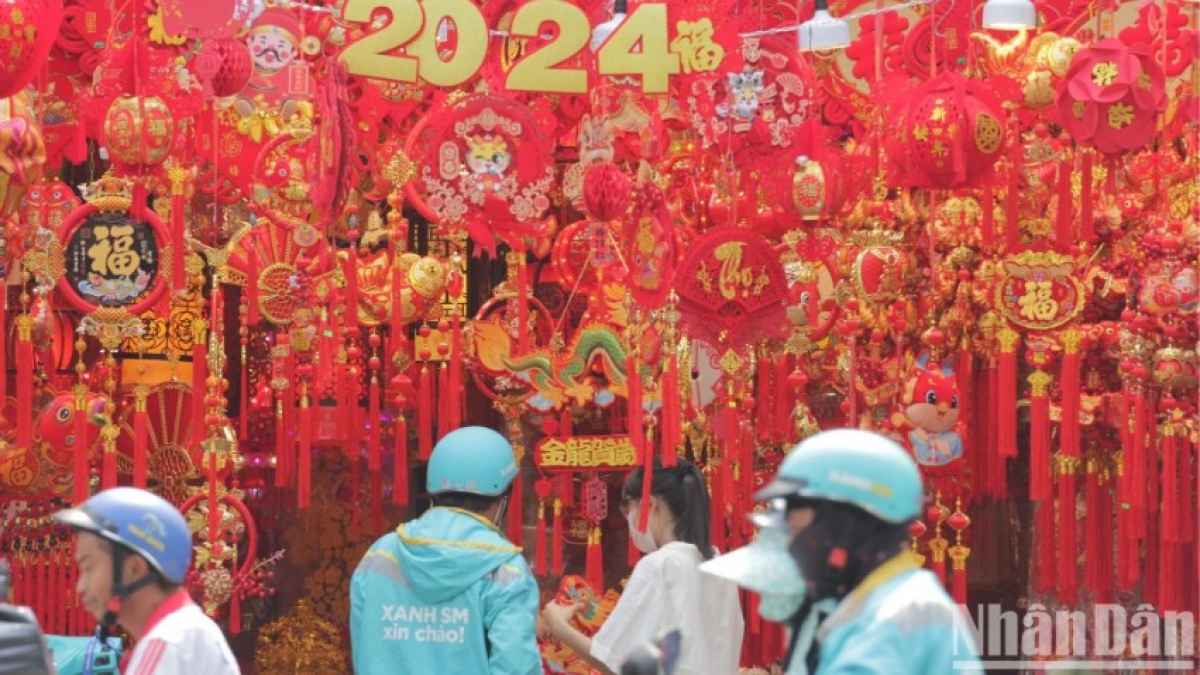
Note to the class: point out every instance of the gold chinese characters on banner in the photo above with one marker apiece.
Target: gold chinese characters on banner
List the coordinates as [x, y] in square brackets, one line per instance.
[585, 452]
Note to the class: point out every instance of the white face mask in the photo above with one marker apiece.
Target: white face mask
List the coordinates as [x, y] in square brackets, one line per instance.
[644, 541]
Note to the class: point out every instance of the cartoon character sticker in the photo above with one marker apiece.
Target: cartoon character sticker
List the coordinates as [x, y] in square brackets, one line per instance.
[488, 158]
[274, 43]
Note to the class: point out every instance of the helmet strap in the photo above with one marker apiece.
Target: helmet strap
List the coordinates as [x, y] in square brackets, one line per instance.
[120, 591]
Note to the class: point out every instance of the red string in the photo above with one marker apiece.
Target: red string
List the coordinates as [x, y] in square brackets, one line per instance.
[425, 414]
[375, 433]
[1039, 444]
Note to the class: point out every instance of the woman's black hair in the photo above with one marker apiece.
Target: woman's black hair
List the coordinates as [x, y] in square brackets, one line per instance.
[683, 489]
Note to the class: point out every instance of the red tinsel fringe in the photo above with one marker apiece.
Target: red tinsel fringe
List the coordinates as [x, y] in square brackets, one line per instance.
[1069, 385]
[1137, 463]
[400, 469]
[425, 414]
[594, 568]
[556, 550]
[304, 482]
[374, 433]
[1150, 580]
[539, 554]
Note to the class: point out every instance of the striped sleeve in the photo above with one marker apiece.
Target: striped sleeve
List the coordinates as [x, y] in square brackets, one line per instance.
[149, 657]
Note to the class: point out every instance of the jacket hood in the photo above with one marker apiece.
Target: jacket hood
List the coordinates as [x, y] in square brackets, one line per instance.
[446, 550]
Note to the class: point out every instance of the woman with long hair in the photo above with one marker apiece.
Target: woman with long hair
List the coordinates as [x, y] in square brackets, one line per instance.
[667, 590]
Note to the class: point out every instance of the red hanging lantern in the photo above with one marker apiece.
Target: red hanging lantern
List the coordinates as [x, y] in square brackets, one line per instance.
[234, 66]
[1111, 95]
[139, 130]
[816, 189]
[951, 134]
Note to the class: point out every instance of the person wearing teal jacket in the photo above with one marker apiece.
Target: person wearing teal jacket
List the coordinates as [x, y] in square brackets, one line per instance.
[849, 497]
[447, 592]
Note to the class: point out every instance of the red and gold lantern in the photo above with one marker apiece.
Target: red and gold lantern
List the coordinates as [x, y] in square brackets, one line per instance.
[139, 130]
[952, 133]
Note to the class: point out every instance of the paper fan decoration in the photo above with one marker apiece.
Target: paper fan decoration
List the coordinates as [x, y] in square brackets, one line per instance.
[282, 265]
[732, 288]
[172, 456]
[486, 168]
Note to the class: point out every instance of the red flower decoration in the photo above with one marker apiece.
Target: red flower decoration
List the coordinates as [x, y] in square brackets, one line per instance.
[1111, 95]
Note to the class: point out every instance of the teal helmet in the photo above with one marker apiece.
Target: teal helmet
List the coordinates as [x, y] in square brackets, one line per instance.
[855, 467]
[473, 460]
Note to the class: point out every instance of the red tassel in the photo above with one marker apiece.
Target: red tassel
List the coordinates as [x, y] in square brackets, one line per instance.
[235, 613]
[1006, 394]
[80, 485]
[1068, 562]
[108, 463]
[1087, 219]
[350, 270]
[252, 318]
[763, 424]
[1151, 574]
[522, 305]
[400, 470]
[396, 332]
[304, 424]
[178, 244]
[633, 407]
[964, 375]
[1012, 226]
[644, 506]
[1046, 550]
[989, 213]
[377, 503]
[454, 393]
[1039, 436]
[516, 511]
[783, 400]
[594, 570]
[443, 402]
[1170, 482]
[1187, 495]
[244, 394]
[959, 590]
[25, 383]
[425, 414]
[4, 344]
[1069, 385]
[1064, 236]
[375, 433]
[556, 550]
[1093, 534]
[1137, 462]
[670, 412]
[199, 387]
[539, 555]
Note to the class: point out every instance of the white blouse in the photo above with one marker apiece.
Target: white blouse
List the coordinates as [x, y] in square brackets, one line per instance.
[667, 591]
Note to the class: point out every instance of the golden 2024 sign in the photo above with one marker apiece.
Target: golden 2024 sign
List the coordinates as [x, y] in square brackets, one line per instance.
[410, 45]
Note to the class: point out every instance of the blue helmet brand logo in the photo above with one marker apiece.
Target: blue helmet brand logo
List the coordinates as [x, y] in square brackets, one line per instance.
[152, 532]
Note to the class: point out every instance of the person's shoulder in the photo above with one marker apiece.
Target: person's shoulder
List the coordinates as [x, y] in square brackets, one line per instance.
[915, 600]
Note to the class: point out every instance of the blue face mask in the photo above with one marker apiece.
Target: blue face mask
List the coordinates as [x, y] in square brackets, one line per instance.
[780, 575]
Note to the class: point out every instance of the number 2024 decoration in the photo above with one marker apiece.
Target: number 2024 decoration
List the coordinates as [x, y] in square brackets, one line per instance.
[412, 45]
